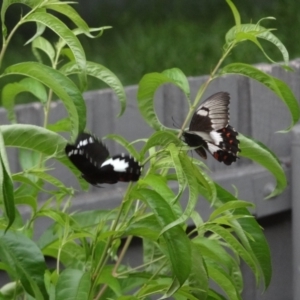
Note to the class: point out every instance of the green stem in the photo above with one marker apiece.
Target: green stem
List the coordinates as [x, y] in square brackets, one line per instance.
[7, 41]
[139, 267]
[203, 88]
[105, 256]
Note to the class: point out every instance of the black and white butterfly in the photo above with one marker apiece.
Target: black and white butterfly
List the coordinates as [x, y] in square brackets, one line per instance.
[209, 129]
[91, 157]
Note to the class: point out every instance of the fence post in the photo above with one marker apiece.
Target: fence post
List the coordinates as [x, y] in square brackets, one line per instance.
[295, 164]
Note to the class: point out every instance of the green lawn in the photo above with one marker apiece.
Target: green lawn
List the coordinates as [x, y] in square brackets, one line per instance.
[149, 36]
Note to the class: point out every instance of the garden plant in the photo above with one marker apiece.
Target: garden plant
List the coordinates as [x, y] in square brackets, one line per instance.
[182, 252]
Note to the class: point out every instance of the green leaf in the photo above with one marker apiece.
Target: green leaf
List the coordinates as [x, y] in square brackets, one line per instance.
[188, 170]
[144, 227]
[178, 244]
[259, 153]
[39, 139]
[102, 73]
[230, 205]
[69, 12]
[122, 141]
[7, 3]
[11, 90]
[217, 274]
[181, 80]
[146, 92]
[62, 86]
[258, 242]
[181, 177]
[235, 245]
[62, 125]
[45, 46]
[108, 278]
[63, 32]
[40, 28]
[6, 185]
[253, 31]
[211, 249]
[73, 284]
[162, 138]
[198, 278]
[235, 12]
[27, 261]
[280, 88]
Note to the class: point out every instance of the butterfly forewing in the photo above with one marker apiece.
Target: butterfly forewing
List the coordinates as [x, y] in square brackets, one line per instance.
[209, 129]
[212, 114]
[90, 156]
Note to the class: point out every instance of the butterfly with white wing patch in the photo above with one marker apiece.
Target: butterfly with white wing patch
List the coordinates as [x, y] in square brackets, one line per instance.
[91, 157]
[209, 129]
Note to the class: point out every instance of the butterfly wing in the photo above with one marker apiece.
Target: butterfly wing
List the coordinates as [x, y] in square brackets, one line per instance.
[212, 114]
[90, 156]
[209, 129]
[119, 168]
[87, 155]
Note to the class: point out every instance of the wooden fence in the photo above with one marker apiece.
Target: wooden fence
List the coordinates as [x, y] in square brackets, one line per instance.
[254, 111]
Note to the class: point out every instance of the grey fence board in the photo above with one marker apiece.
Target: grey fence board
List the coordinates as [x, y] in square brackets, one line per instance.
[255, 111]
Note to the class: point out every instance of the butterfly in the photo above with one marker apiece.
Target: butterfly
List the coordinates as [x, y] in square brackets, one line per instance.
[91, 157]
[210, 130]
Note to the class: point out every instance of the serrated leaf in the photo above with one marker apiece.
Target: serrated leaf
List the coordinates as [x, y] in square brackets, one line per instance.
[144, 227]
[161, 138]
[38, 139]
[40, 28]
[44, 45]
[27, 261]
[146, 92]
[235, 246]
[256, 31]
[259, 246]
[191, 180]
[7, 3]
[73, 284]
[62, 125]
[230, 205]
[217, 274]
[11, 90]
[6, 185]
[102, 73]
[63, 32]
[259, 153]
[177, 242]
[69, 12]
[181, 80]
[198, 278]
[62, 86]
[280, 88]
[122, 141]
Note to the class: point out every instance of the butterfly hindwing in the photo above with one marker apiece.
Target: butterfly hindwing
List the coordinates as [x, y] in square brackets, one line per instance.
[90, 156]
[209, 129]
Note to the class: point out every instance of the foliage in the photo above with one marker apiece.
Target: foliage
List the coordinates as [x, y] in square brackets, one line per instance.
[176, 263]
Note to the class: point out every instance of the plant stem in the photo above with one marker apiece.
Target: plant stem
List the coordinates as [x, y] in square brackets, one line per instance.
[105, 256]
[203, 88]
[7, 41]
[139, 267]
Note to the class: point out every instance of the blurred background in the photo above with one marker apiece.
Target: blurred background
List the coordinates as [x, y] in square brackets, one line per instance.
[151, 36]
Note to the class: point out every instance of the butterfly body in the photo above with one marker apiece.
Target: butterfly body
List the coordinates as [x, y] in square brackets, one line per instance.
[91, 158]
[210, 130]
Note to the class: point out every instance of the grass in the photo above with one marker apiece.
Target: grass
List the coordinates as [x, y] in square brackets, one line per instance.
[150, 36]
